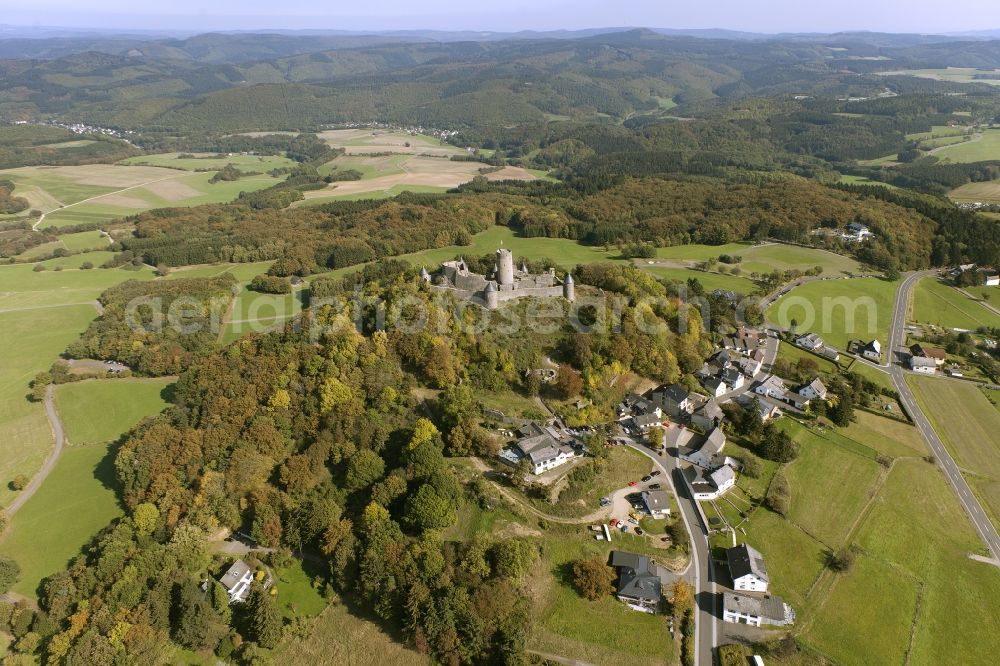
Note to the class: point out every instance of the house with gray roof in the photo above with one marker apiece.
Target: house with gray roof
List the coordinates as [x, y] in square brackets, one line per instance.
[237, 581]
[741, 608]
[814, 390]
[639, 585]
[544, 452]
[673, 398]
[702, 451]
[708, 485]
[657, 502]
[810, 341]
[708, 416]
[747, 569]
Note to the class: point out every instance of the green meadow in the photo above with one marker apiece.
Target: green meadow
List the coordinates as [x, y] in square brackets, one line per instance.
[213, 161]
[101, 410]
[978, 150]
[942, 305]
[839, 310]
[77, 499]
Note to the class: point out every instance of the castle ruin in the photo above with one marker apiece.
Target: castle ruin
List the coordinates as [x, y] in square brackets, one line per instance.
[505, 284]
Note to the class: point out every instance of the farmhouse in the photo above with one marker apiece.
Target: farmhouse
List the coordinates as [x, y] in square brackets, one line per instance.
[923, 364]
[812, 342]
[657, 502]
[755, 611]
[639, 585]
[237, 580]
[927, 351]
[746, 567]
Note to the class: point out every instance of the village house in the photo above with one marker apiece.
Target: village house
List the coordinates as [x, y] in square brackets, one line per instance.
[746, 568]
[637, 404]
[756, 610]
[733, 378]
[674, 399]
[540, 447]
[237, 581]
[644, 422]
[872, 351]
[703, 451]
[923, 364]
[766, 410]
[744, 341]
[708, 416]
[811, 341]
[707, 486]
[716, 387]
[657, 502]
[771, 386]
[638, 585]
[991, 279]
[814, 390]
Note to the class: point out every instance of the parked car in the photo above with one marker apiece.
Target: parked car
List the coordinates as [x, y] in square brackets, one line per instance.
[654, 486]
[638, 531]
[605, 501]
[614, 522]
[655, 472]
[624, 527]
[633, 483]
[633, 521]
[646, 478]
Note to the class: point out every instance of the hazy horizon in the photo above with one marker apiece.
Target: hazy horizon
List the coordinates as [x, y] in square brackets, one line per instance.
[892, 16]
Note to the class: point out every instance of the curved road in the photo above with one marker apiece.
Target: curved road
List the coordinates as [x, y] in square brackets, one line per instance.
[50, 462]
[897, 340]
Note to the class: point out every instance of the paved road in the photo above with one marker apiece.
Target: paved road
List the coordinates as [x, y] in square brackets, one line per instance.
[897, 340]
[50, 462]
[706, 629]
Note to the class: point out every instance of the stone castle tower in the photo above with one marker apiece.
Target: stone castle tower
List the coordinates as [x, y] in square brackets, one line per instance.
[569, 289]
[505, 269]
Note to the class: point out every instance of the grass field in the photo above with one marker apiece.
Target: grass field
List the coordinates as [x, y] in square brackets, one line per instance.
[968, 425]
[337, 637]
[979, 150]
[101, 410]
[709, 280]
[764, 258]
[861, 180]
[953, 74]
[102, 192]
[912, 579]
[261, 163]
[75, 502]
[828, 481]
[792, 354]
[31, 340]
[937, 303]
[985, 192]
[839, 310]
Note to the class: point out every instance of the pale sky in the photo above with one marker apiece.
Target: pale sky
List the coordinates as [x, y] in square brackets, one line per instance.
[769, 16]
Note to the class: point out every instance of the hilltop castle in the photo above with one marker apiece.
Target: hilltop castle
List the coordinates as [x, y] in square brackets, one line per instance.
[505, 284]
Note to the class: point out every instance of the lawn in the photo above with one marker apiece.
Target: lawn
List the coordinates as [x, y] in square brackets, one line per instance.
[861, 180]
[830, 485]
[76, 501]
[979, 150]
[600, 632]
[872, 374]
[84, 240]
[793, 354]
[942, 305]
[839, 310]
[968, 425]
[794, 559]
[101, 410]
[885, 435]
[296, 594]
